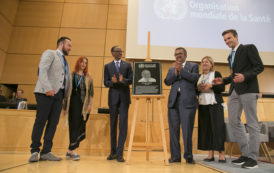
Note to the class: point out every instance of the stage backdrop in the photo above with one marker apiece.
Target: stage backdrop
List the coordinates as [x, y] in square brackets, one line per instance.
[198, 25]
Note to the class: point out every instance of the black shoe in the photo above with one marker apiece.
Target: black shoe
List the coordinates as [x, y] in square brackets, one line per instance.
[120, 159]
[241, 160]
[250, 164]
[173, 160]
[190, 161]
[222, 161]
[111, 157]
[209, 160]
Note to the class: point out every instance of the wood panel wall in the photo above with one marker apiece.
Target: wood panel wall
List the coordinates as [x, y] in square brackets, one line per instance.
[16, 136]
[8, 10]
[32, 26]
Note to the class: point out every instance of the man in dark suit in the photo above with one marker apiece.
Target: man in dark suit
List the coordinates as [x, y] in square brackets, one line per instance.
[51, 88]
[20, 100]
[118, 77]
[2, 98]
[182, 104]
[245, 64]
[19, 95]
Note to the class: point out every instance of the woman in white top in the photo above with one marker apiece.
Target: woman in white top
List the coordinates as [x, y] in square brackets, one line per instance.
[211, 126]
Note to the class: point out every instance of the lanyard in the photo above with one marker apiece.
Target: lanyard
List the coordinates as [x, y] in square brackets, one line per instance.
[205, 78]
[77, 84]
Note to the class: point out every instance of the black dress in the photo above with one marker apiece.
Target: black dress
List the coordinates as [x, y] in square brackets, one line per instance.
[77, 125]
[211, 126]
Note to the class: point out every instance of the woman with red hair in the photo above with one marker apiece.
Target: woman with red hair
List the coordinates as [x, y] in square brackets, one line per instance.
[78, 105]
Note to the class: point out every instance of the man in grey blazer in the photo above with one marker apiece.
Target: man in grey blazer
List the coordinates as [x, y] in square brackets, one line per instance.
[51, 88]
[182, 104]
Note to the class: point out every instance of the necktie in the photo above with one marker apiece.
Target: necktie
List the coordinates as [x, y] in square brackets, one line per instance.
[66, 69]
[232, 55]
[117, 66]
[65, 64]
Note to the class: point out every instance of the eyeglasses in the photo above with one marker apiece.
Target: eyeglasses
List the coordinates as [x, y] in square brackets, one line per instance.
[119, 51]
[178, 54]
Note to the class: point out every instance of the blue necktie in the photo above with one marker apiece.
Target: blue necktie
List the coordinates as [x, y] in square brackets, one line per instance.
[117, 66]
[65, 64]
[232, 55]
[66, 69]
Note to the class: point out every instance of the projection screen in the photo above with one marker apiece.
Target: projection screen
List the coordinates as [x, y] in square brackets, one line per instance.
[197, 25]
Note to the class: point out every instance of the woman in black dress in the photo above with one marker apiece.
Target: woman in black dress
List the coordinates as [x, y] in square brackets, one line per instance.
[79, 105]
[211, 126]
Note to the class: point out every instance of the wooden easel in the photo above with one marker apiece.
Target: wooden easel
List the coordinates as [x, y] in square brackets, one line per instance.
[149, 98]
[148, 59]
[148, 145]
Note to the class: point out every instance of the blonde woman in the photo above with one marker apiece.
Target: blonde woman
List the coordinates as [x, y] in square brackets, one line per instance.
[211, 127]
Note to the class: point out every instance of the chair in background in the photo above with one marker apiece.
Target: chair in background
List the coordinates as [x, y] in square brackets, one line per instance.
[229, 136]
[269, 125]
[264, 137]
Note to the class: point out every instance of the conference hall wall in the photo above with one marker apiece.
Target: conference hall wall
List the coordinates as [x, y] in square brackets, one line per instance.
[32, 26]
[8, 11]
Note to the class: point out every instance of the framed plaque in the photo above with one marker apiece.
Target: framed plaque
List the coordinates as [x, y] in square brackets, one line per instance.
[147, 79]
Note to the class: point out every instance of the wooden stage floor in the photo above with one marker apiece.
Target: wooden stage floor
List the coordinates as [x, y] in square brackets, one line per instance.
[18, 163]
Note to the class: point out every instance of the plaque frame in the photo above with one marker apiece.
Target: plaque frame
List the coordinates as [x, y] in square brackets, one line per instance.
[147, 78]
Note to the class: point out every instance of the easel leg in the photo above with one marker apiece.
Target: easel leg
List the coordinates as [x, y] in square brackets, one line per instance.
[163, 132]
[132, 131]
[263, 149]
[147, 128]
[267, 152]
[231, 149]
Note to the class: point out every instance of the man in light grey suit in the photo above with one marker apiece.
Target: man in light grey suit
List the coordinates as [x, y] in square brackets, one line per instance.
[51, 88]
[182, 104]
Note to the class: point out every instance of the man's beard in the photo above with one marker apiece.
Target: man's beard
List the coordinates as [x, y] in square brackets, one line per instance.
[64, 51]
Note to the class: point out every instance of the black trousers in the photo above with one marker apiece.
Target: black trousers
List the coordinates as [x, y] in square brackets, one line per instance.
[122, 110]
[48, 111]
[77, 125]
[211, 127]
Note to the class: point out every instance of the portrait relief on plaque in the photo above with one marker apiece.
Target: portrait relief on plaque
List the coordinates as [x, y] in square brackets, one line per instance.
[147, 78]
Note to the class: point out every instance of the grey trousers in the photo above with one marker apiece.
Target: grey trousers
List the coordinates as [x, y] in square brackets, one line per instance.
[236, 104]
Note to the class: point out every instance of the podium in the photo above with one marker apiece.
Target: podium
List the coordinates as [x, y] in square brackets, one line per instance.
[147, 144]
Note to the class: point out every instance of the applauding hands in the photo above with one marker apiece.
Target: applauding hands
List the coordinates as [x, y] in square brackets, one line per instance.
[114, 78]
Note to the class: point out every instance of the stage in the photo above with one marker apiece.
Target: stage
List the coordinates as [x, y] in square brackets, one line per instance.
[18, 162]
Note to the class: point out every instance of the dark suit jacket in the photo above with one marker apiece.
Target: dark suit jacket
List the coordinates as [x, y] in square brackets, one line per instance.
[248, 62]
[118, 91]
[3, 98]
[186, 81]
